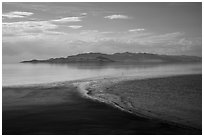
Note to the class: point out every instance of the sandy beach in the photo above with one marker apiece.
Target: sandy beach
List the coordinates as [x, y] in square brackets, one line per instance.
[169, 105]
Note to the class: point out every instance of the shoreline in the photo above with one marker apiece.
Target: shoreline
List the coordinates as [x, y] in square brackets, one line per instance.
[106, 77]
[85, 93]
[85, 88]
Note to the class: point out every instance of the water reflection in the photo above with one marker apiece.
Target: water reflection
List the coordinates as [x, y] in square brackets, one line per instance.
[18, 74]
[113, 65]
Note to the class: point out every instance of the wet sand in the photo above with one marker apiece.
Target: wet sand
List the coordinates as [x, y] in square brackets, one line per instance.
[60, 109]
[176, 99]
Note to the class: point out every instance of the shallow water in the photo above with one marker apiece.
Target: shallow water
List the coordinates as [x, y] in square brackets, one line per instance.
[61, 110]
[21, 74]
[72, 115]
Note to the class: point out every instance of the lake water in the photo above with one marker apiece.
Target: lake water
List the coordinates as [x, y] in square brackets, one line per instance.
[62, 111]
[21, 74]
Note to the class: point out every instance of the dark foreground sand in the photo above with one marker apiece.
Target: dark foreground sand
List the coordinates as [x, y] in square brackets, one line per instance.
[61, 109]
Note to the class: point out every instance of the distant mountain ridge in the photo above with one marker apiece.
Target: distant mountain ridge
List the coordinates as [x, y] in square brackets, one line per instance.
[125, 57]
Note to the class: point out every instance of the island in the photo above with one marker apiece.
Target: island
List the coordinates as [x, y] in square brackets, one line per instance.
[125, 57]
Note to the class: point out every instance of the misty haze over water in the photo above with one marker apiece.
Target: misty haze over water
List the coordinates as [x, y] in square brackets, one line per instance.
[20, 74]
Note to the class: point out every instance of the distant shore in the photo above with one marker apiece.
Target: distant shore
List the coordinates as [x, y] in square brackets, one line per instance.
[161, 99]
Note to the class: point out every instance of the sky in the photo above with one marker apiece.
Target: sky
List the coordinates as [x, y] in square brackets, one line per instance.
[45, 30]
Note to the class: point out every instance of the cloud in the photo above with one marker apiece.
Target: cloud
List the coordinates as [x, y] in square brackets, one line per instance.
[118, 16]
[33, 30]
[25, 27]
[31, 27]
[107, 32]
[46, 44]
[75, 26]
[16, 14]
[89, 32]
[83, 14]
[68, 19]
[45, 31]
[136, 30]
[161, 39]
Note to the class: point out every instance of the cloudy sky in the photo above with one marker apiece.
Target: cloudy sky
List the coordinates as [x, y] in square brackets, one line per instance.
[44, 30]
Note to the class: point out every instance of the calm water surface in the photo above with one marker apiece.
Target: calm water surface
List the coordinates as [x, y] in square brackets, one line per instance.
[77, 115]
[20, 74]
